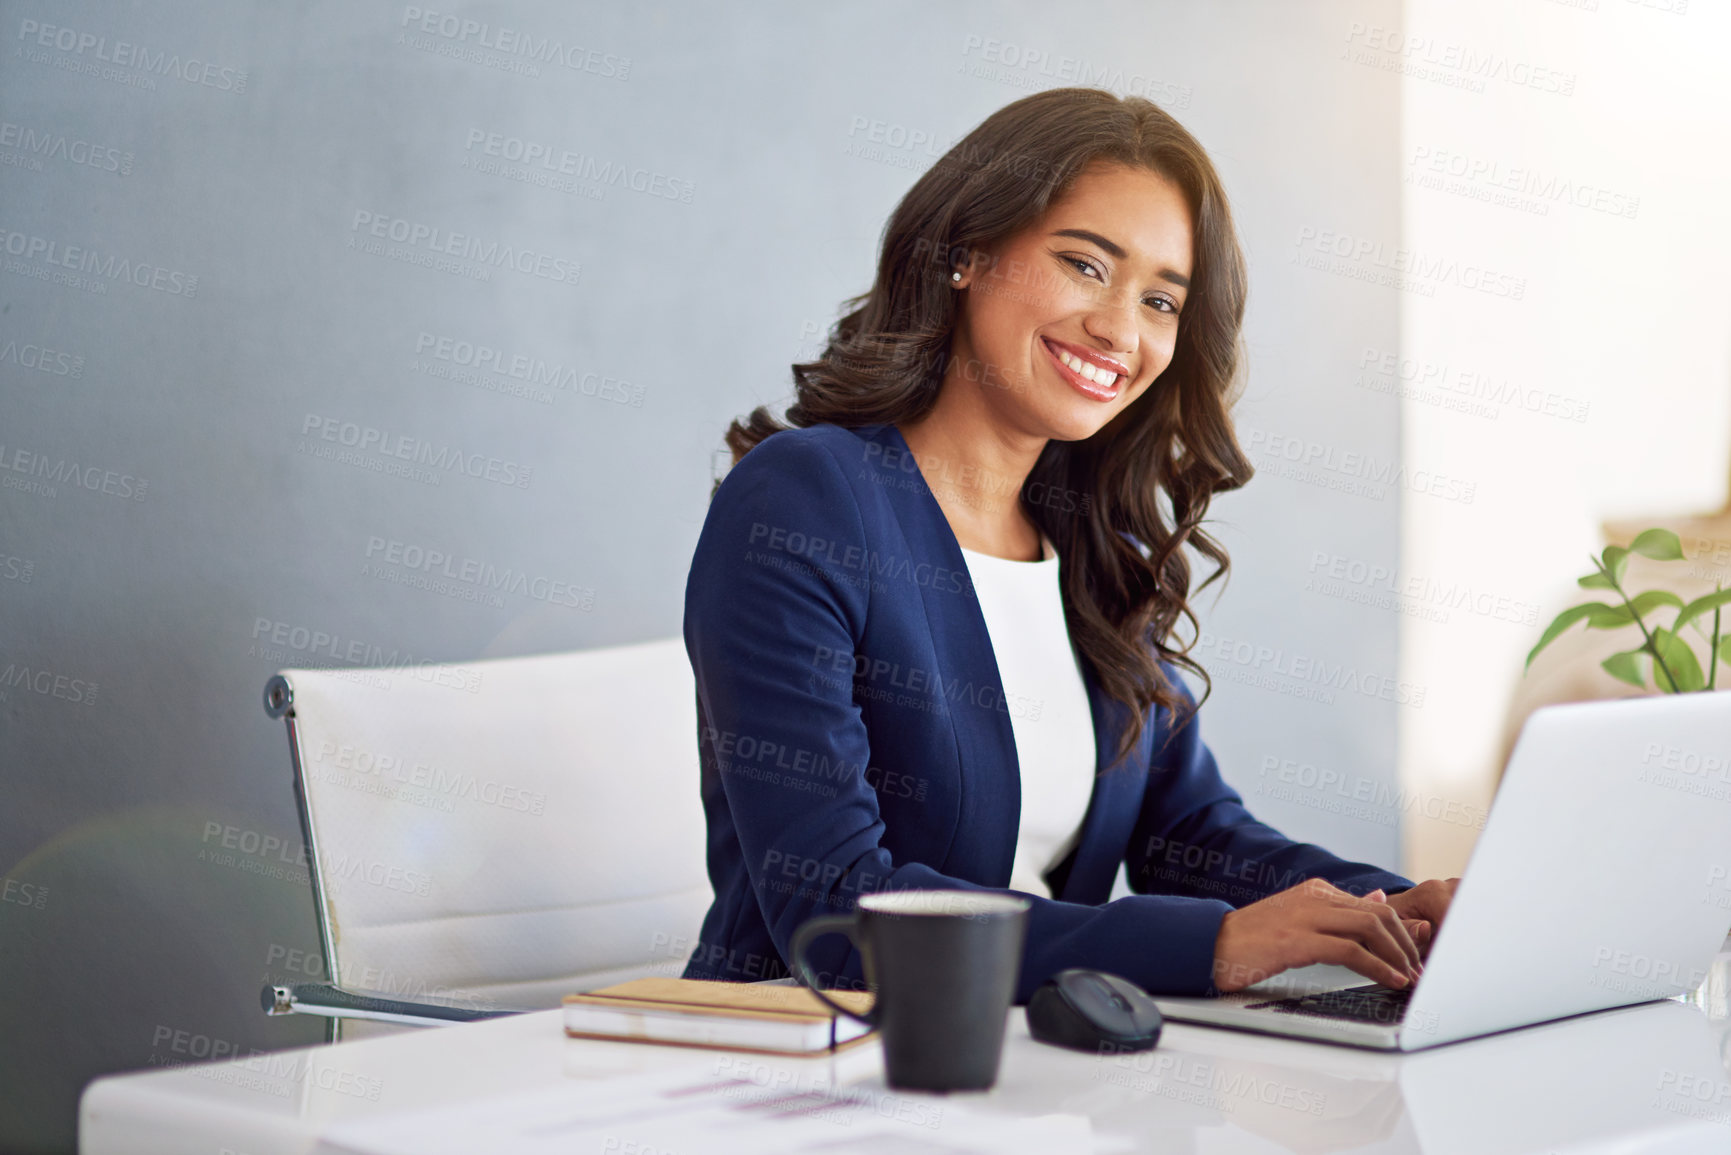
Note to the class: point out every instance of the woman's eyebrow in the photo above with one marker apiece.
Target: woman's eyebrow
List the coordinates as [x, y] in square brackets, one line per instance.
[1116, 251]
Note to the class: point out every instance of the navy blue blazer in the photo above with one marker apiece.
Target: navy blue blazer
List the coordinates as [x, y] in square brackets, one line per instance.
[854, 737]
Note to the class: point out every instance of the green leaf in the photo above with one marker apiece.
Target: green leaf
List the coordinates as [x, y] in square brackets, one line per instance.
[1725, 649]
[1646, 603]
[1658, 544]
[1563, 621]
[1595, 581]
[1603, 617]
[1616, 560]
[1626, 667]
[1680, 660]
[1700, 606]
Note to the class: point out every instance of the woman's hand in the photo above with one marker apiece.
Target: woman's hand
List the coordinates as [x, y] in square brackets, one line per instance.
[1425, 905]
[1316, 922]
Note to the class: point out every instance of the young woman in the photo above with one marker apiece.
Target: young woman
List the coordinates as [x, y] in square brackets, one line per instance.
[932, 624]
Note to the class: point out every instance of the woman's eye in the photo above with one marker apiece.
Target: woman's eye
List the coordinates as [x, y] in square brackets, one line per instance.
[1078, 261]
[1161, 304]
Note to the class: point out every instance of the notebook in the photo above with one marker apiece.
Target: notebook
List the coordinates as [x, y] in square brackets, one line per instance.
[766, 1017]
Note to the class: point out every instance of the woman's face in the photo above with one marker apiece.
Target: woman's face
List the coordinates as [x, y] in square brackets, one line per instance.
[1078, 313]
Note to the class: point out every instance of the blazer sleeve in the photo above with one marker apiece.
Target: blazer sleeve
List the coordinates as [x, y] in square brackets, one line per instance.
[1194, 835]
[778, 577]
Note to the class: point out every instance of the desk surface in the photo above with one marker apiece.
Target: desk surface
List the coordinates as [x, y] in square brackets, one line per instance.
[1652, 1077]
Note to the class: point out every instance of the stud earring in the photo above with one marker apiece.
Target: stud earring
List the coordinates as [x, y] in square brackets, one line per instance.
[955, 276]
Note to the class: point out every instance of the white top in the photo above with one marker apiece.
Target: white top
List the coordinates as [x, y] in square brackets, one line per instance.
[1047, 701]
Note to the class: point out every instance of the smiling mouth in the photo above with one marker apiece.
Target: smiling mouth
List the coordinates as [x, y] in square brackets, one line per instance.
[1084, 376]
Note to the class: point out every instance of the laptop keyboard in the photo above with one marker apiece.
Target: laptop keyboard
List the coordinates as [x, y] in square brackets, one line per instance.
[1369, 1004]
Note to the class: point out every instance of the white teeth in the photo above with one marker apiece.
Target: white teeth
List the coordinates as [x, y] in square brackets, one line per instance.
[1087, 369]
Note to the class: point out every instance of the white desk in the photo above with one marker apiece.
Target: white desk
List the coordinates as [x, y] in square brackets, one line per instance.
[1648, 1078]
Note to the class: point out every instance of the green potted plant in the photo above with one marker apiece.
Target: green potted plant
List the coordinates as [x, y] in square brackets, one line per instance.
[1665, 653]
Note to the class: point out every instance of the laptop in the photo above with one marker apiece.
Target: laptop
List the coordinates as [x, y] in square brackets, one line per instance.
[1602, 879]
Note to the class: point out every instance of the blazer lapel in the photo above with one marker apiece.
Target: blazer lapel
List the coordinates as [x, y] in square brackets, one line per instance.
[990, 803]
[990, 771]
[1116, 801]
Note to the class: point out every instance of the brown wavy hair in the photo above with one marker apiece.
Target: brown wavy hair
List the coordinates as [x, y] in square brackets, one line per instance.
[884, 361]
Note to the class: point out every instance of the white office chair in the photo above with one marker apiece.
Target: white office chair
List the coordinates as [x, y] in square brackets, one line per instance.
[488, 837]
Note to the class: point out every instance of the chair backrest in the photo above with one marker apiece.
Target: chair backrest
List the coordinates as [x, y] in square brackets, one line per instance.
[503, 832]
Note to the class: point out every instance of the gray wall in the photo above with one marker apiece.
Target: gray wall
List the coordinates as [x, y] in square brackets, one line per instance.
[181, 513]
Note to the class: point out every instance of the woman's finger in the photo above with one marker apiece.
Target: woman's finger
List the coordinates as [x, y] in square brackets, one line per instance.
[1420, 930]
[1369, 931]
[1347, 953]
[1398, 930]
[1391, 919]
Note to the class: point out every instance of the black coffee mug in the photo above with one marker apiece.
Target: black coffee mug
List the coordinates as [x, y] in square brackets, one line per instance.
[944, 964]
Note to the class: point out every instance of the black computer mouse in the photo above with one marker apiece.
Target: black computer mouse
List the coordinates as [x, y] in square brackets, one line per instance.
[1093, 1011]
